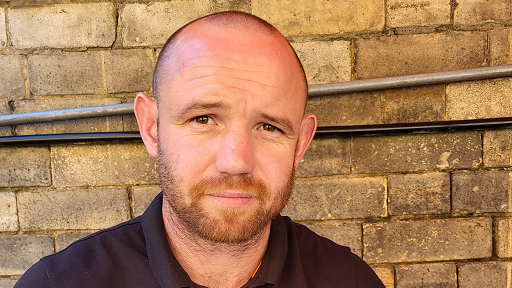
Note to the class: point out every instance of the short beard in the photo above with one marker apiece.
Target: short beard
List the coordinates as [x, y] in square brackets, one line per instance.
[234, 226]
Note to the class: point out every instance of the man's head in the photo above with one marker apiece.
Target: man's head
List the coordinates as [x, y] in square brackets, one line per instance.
[229, 129]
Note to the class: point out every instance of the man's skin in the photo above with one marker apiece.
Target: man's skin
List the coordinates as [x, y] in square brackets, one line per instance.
[230, 107]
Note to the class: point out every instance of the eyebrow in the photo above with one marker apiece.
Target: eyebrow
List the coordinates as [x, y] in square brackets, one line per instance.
[198, 106]
[283, 122]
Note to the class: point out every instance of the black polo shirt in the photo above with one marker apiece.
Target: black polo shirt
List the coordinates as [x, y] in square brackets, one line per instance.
[136, 254]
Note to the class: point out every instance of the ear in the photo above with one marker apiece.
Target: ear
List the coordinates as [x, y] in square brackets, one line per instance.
[147, 114]
[306, 134]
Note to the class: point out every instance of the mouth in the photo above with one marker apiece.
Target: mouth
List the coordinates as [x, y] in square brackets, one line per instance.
[235, 200]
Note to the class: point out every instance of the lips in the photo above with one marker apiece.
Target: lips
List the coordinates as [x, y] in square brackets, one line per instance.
[231, 199]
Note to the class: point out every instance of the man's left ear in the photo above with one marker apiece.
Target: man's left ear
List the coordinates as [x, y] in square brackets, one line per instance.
[306, 134]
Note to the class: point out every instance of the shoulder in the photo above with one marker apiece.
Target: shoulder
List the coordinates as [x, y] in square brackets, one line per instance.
[326, 261]
[95, 259]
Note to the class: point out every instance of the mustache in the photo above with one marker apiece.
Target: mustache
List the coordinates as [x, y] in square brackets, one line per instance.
[247, 184]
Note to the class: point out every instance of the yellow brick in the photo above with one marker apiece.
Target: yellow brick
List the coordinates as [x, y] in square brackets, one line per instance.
[128, 70]
[95, 208]
[12, 82]
[102, 164]
[62, 25]
[19, 252]
[142, 197]
[151, 24]
[66, 73]
[469, 12]
[427, 240]
[337, 198]
[418, 13]
[320, 17]
[479, 99]
[24, 166]
[9, 215]
[427, 275]
[325, 61]
[419, 53]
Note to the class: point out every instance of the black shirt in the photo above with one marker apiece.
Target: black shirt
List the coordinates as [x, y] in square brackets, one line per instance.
[136, 254]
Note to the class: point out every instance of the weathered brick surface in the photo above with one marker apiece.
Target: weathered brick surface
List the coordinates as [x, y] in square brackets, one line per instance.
[470, 12]
[63, 26]
[130, 123]
[337, 198]
[3, 32]
[65, 73]
[481, 191]
[485, 274]
[344, 234]
[19, 252]
[94, 208]
[420, 53]
[64, 240]
[325, 61]
[427, 240]
[9, 215]
[89, 125]
[4, 110]
[419, 193]
[320, 17]
[12, 83]
[497, 148]
[142, 197]
[439, 275]
[326, 156]
[499, 46]
[24, 166]
[418, 13]
[151, 24]
[110, 164]
[418, 104]
[7, 282]
[128, 70]
[386, 275]
[416, 152]
[503, 237]
[479, 99]
[346, 109]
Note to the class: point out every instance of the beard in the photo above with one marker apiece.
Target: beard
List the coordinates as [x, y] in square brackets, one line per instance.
[224, 224]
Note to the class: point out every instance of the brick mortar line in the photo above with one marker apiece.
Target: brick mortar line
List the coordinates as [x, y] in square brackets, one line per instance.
[28, 94]
[7, 30]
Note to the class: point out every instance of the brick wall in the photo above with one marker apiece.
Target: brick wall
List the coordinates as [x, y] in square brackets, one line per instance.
[431, 209]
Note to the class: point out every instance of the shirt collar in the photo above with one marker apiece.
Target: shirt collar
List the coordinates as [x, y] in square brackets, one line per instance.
[169, 273]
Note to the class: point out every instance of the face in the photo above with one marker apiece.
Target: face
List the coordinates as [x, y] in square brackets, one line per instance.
[230, 131]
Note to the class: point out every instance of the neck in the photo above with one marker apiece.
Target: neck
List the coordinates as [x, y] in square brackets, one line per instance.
[214, 264]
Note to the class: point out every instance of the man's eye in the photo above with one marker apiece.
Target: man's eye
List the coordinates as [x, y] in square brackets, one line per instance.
[202, 119]
[269, 127]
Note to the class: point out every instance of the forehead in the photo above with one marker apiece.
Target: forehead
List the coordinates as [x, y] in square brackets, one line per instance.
[265, 59]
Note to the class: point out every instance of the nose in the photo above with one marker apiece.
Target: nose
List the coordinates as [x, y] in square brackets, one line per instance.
[236, 153]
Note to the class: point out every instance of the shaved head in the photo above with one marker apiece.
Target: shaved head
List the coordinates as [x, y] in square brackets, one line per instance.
[228, 19]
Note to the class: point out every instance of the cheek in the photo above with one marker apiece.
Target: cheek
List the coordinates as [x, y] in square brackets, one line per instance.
[190, 158]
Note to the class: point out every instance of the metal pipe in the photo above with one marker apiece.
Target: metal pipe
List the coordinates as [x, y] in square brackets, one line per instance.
[314, 91]
[25, 139]
[344, 130]
[66, 114]
[410, 80]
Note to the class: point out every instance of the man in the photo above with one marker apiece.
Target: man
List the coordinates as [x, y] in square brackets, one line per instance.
[228, 129]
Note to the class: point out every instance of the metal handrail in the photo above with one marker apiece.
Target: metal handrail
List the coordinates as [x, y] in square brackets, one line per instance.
[325, 130]
[314, 91]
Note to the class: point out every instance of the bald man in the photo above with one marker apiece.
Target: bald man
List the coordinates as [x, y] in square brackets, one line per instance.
[228, 129]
